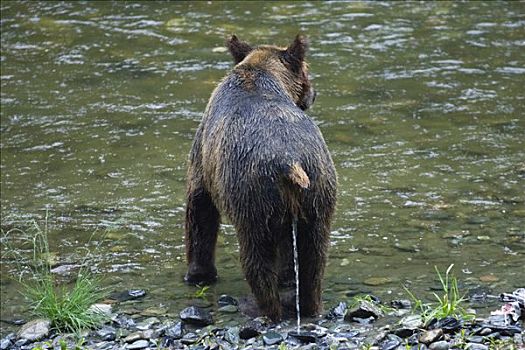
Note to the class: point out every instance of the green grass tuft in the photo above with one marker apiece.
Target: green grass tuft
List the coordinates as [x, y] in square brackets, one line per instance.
[448, 304]
[67, 307]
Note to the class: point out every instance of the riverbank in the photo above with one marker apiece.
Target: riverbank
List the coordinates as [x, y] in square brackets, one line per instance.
[367, 324]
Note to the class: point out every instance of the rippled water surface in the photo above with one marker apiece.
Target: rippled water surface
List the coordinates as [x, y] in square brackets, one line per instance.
[422, 107]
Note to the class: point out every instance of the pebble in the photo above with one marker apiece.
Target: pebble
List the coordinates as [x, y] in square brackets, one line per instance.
[412, 321]
[196, 316]
[377, 281]
[476, 346]
[337, 312]
[130, 294]
[35, 330]
[147, 323]
[431, 336]
[175, 332]
[401, 304]
[225, 300]
[133, 337]
[363, 310]
[5, 343]
[107, 333]
[272, 338]
[248, 331]
[139, 344]
[229, 309]
[439, 345]
[305, 337]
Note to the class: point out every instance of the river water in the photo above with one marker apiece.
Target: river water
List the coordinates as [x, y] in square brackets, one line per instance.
[421, 105]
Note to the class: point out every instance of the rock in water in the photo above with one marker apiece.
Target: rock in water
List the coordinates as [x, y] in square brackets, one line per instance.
[196, 316]
[305, 337]
[272, 338]
[35, 330]
[337, 312]
[225, 300]
[364, 310]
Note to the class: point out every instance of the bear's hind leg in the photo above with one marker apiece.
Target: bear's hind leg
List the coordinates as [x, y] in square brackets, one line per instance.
[202, 225]
[259, 261]
[312, 241]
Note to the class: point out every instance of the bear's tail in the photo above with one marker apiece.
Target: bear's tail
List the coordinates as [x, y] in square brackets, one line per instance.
[298, 176]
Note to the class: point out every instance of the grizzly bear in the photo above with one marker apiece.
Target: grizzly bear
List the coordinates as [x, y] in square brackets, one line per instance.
[261, 161]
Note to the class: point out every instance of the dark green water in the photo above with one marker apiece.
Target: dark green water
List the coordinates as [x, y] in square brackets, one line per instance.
[422, 107]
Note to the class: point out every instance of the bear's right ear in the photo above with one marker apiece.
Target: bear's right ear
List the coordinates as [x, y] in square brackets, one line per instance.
[238, 49]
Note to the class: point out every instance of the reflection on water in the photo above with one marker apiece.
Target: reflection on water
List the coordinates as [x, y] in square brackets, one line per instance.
[421, 107]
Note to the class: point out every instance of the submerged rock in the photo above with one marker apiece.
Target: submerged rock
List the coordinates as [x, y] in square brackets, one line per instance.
[196, 316]
[35, 330]
[126, 295]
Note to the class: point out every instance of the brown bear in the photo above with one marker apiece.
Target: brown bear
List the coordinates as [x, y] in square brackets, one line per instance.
[261, 161]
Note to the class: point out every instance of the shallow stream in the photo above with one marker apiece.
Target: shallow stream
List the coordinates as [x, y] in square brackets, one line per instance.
[421, 105]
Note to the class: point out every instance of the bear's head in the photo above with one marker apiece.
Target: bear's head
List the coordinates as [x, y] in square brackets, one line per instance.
[288, 65]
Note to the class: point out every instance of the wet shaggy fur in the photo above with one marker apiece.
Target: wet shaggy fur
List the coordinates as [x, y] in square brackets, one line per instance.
[261, 161]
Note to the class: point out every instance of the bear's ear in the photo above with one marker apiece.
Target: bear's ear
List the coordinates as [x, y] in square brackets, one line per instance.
[238, 49]
[296, 52]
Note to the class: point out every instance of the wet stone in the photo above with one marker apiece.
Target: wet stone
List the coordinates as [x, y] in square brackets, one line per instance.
[447, 324]
[272, 338]
[139, 344]
[225, 300]
[476, 346]
[439, 345]
[304, 337]
[431, 336]
[391, 342]
[401, 304]
[35, 330]
[7, 341]
[196, 316]
[147, 323]
[337, 312]
[229, 309]
[107, 333]
[126, 295]
[412, 321]
[133, 337]
[363, 310]
[232, 335]
[251, 329]
[175, 332]
[189, 338]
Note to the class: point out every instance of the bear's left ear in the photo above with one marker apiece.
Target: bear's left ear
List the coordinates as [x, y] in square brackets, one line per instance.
[296, 52]
[238, 49]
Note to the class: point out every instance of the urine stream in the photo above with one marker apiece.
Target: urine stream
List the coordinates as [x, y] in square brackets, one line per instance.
[296, 269]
